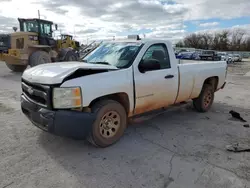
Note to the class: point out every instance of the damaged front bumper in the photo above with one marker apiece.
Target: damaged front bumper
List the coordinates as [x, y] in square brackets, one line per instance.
[61, 122]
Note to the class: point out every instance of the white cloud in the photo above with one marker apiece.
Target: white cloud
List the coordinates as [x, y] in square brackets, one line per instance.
[224, 9]
[209, 24]
[100, 19]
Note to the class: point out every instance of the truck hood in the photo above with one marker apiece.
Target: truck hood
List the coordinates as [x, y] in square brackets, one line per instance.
[55, 73]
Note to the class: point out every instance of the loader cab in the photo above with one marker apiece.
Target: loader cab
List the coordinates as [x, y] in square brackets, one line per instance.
[42, 27]
[65, 36]
[66, 41]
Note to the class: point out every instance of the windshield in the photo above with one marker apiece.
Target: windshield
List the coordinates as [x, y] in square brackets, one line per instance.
[30, 26]
[33, 26]
[119, 54]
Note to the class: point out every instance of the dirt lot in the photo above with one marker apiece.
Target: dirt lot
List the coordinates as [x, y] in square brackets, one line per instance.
[176, 149]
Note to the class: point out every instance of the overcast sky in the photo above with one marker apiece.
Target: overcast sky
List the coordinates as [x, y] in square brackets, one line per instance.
[100, 19]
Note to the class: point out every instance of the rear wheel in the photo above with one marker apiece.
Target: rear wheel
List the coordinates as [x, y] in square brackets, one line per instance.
[38, 58]
[110, 123]
[16, 68]
[205, 100]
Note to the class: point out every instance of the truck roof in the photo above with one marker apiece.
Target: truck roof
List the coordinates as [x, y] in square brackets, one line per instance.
[141, 41]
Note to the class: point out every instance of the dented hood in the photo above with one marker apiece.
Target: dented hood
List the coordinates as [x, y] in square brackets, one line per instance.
[55, 73]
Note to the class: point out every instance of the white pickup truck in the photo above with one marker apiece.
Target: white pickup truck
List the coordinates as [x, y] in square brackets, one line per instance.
[118, 80]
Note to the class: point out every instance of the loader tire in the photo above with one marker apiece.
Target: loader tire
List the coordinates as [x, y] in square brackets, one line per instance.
[71, 56]
[38, 58]
[16, 68]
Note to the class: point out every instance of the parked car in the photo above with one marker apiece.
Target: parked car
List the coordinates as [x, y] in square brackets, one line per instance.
[210, 55]
[237, 58]
[180, 51]
[188, 55]
[231, 58]
[117, 81]
[225, 57]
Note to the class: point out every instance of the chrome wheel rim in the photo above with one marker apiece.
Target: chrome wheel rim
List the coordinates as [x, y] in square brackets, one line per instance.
[109, 124]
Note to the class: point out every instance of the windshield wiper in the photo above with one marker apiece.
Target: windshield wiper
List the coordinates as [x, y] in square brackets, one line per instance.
[101, 62]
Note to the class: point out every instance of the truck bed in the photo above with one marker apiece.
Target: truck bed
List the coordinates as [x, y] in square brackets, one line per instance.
[183, 61]
[193, 73]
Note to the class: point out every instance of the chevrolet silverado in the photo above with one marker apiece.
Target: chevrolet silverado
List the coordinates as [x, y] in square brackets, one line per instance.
[95, 98]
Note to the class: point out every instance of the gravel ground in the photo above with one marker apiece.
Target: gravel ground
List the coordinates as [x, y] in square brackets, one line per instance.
[179, 148]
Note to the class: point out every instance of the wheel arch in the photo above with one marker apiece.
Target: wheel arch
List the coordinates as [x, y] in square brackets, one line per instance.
[213, 80]
[35, 48]
[121, 97]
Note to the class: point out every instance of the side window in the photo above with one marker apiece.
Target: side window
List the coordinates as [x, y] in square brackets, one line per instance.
[47, 29]
[159, 53]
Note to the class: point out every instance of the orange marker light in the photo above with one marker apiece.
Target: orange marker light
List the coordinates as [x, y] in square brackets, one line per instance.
[78, 102]
[77, 92]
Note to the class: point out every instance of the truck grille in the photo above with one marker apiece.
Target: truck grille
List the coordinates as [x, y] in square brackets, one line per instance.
[37, 93]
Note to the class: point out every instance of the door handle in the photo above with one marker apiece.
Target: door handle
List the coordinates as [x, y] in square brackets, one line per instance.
[169, 76]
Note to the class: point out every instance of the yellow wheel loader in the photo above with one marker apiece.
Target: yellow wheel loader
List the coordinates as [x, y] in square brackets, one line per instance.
[67, 41]
[34, 45]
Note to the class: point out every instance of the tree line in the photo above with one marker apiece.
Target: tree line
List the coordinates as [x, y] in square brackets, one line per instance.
[226, 40]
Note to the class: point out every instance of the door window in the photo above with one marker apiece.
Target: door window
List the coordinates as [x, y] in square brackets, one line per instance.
[158, 53]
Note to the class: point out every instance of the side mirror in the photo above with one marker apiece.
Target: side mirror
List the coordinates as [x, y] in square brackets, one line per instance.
[149, 65]
[56, 26]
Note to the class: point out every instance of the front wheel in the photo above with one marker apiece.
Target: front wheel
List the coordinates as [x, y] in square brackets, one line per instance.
[110, 123]
[38, 58]
[205, 100]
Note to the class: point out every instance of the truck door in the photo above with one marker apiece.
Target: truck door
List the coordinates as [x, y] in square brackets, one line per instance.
[156, 87]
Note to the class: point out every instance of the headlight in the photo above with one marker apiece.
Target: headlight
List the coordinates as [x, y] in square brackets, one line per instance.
[33, 37]
[64, 98]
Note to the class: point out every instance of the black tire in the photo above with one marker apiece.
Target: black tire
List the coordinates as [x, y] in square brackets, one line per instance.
[16, 68]
[70, 56]
[101, 134]
[38, 58]
[205, 100]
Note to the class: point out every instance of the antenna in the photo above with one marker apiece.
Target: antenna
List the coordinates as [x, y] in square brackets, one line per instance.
[39, 14]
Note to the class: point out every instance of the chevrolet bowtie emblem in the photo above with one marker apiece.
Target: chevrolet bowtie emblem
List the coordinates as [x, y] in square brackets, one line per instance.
[30, 91]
